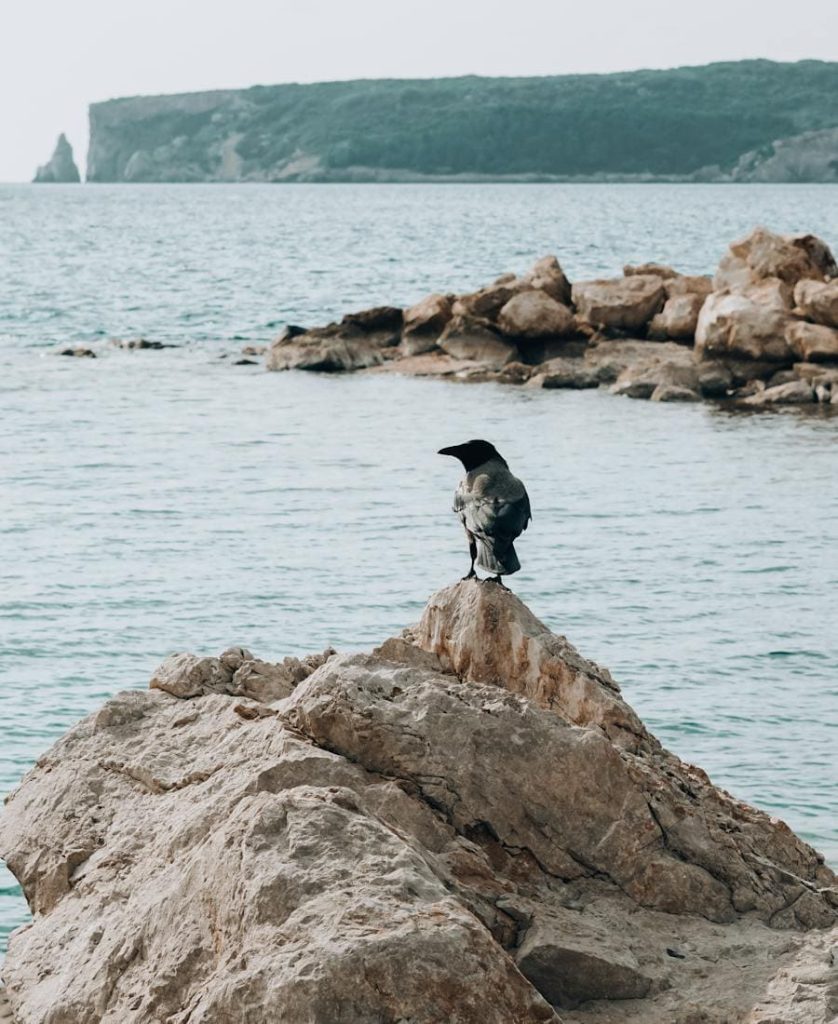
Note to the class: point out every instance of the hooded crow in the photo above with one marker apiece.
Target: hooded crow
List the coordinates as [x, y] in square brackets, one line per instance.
[493, 506]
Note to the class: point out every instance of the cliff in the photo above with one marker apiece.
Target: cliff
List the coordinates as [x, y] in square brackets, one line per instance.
[467, 825]
[677, 124]
[61, 167]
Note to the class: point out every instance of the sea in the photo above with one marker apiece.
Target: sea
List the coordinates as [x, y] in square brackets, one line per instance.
[175, 500]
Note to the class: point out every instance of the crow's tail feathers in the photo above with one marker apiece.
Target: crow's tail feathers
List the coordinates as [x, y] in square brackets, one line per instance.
[497, 558]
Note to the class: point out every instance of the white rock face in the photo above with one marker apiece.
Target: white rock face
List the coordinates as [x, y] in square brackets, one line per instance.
[734, 326]
[467, 825]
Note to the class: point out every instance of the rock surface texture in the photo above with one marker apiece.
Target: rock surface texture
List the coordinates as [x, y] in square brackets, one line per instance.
[653, 333]
[61, 167]
[468, 825]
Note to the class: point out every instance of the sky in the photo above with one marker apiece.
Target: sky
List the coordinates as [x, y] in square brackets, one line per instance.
[58, 56]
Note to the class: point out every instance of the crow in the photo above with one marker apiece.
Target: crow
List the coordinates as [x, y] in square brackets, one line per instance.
[493, 506]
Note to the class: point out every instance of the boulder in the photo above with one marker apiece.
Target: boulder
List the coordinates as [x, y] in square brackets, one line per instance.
[659, 379]
[380, 318]
[645, 269]
[61, 167]
[813, 343]
[765, 255]
[685, 284]
[487, 302]
[424, 322]
[715, 379]
[79, 352]
[548, 276]
[467, 824]
[331, 349]
[733, 326]
[535, 315]
[469, 338]
[798, 392]
[623, 303]
[565, 373]
[571, 963]
[678, 318]
[818, 301]
[609, 358]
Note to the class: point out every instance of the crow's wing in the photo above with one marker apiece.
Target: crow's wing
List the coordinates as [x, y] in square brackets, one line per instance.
[499, 519]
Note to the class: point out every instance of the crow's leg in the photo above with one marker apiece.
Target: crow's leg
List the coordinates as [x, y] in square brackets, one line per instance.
[496, 579]
[472, 550]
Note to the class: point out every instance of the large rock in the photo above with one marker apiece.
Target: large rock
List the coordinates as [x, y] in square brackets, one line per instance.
[665, 380]
[794, 392]
[678, 318]
[533, 315]
[764, 255]
[487, 302]
[469, 338]
[818, 301]
[424, 322]
[465, 825]
[813, 342]
[61, 167]
[336, 348]
[733, 326]
[622, 303]
[548, 276]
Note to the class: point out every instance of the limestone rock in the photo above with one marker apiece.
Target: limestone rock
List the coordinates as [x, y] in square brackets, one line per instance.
[686, 284]
[813, 343]
[678, 318]
[424, 322]
[623, 303]
[487, 302]
[734, 326]
[645, 382]
[674, 393]
[533, 315]
[765, 255]
[610, 359]
[565, 373]
[331, 349]
[655, 269]
[548, 276]
[380, 318]
[464, 825]
[818, 301]
[469, 338]
[798, 392]
[61, 167]
[570, 964]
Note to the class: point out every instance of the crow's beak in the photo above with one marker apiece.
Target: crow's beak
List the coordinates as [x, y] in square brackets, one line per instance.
[450, 451]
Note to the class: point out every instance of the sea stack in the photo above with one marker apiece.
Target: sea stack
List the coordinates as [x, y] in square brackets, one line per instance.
[467, 824]
[61, 168]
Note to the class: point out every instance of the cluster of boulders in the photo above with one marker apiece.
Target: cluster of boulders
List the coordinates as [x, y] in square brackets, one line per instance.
[763, 330]
[468, 824]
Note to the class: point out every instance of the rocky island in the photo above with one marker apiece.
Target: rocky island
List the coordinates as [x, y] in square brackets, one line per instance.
[466, 825]
[763, 331]
[61, 167]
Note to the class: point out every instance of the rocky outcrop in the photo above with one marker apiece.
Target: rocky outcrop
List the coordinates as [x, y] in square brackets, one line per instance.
[61, 167]
[468, 824]
[653, 333]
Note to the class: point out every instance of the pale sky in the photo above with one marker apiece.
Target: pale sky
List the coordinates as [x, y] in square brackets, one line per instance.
[56, 56]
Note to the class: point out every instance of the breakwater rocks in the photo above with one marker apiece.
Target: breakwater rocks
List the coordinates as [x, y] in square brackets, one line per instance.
[467, 825]
[763, 331]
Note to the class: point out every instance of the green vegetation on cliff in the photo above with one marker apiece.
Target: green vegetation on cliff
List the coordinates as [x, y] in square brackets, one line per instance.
[680, 123]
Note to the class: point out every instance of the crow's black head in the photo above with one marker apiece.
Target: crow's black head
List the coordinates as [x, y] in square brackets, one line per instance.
[473, 453]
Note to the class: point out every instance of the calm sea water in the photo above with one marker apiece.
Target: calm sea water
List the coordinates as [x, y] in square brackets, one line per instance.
[160, 501]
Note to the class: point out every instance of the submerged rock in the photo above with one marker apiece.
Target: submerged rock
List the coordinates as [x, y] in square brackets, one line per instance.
[350, 345]
[61, 167]
[468, 824]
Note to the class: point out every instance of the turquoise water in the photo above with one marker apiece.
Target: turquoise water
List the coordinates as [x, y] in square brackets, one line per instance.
[159, 501]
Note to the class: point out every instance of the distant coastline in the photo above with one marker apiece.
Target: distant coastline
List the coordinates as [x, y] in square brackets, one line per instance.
[745, 121]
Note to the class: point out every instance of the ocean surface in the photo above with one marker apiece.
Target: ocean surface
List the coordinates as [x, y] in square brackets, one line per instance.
[163, 501]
